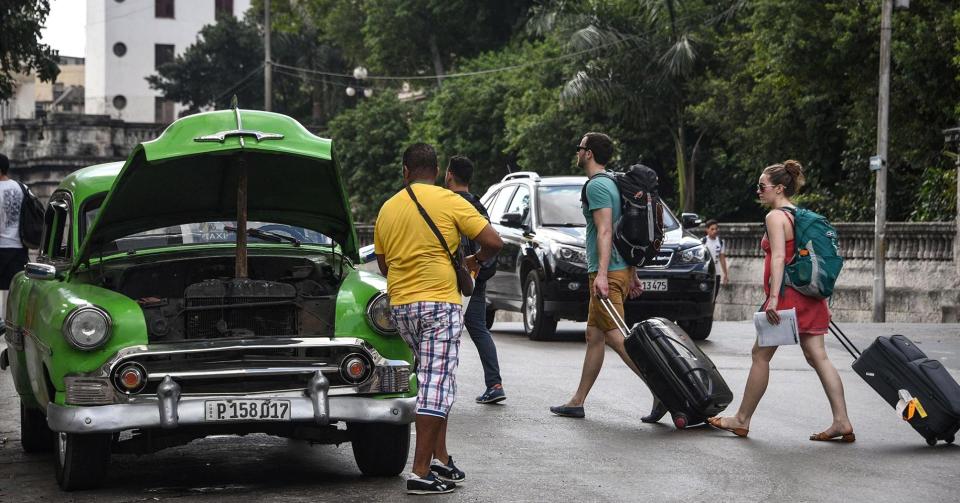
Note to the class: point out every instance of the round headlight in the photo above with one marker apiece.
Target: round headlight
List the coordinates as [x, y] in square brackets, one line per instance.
[380, 316]
[87, 327]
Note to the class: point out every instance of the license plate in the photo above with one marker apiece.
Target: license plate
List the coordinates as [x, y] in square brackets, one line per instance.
[654, 285]
[247, 410]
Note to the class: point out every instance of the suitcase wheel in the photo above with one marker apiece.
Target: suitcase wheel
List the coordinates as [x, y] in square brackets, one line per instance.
[931, 441]
[949, 439]
[680, 421]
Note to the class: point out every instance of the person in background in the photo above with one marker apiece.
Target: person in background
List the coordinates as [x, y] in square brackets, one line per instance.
[13, 254]
[426, 301]
[457, 178]
[715, 245]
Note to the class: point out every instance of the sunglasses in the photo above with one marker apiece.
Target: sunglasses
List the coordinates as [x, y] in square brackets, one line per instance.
[579, 148]
[762, 187]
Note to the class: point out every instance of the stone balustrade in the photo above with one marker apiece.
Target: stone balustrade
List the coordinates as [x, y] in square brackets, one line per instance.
[931, 241]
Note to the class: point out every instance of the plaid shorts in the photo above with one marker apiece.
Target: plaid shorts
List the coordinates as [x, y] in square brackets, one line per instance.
[432, 329]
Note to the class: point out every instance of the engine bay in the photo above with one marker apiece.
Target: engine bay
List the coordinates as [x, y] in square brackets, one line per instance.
[199, 298]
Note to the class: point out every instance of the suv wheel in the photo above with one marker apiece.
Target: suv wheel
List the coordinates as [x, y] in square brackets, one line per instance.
[698, 329]
[380, 449]
[35, 436]
[536, 322]
[491, 314]
[82, 459]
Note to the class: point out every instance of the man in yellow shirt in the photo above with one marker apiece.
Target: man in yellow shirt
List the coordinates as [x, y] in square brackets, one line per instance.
[426, 302]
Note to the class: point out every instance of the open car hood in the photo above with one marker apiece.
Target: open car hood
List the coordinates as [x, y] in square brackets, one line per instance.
[191, 173]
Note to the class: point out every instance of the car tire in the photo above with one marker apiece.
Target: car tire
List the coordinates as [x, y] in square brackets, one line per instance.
[538, 324]
[380, 450]
[491, 314]
[698, 329]
[81, 460]
[35, 435]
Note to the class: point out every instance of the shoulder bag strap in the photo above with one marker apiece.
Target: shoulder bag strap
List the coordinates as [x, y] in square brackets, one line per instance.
[433, 227]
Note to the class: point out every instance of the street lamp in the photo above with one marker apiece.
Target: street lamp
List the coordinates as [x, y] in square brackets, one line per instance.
[359, 74]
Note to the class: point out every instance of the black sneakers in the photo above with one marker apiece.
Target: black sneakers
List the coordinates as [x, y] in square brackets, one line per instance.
[493, 394]
[429, 485]
[448, 472]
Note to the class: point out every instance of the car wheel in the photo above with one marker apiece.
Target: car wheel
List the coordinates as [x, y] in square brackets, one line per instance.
[82, 459]
[380, 449]
[491, 314]
[536, 322]
[698, 329]
[35, 435]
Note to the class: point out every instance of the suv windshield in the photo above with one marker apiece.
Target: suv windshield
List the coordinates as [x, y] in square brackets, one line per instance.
[560, 207]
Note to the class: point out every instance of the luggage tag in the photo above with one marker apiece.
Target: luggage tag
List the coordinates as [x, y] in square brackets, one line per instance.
[909, 406]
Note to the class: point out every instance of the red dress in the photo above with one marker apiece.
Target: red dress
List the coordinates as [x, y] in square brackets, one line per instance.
[813, 315]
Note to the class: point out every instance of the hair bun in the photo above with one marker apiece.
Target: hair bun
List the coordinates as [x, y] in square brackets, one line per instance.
[796, 172]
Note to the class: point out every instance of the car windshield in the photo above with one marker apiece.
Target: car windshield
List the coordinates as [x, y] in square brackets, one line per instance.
[200, 233]
[560, 207]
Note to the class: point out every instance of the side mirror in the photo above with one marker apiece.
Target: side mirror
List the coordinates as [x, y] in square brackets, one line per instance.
[689, 220]
[514, 220]
[34, 270]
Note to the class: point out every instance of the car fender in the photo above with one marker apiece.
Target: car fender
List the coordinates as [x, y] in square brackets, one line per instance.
[355, 293]
[49, 355]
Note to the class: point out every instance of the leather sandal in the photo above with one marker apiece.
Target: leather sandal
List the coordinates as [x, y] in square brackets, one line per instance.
[847, 438]
[716, 423]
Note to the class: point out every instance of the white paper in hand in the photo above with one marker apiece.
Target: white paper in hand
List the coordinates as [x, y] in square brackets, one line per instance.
[777, 335]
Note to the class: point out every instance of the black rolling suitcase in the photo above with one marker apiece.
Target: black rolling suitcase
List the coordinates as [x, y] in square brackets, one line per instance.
[898, 370]
[684, 378]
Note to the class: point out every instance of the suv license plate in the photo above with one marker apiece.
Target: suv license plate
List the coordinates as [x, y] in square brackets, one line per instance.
[654, 285]
[247, 410]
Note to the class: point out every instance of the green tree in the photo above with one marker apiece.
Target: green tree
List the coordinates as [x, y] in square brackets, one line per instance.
[225, 60]
[20, 47]
[800, 81]
[369, 141]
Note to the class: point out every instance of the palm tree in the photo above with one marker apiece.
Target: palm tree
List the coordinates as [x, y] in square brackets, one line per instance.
[641, 58]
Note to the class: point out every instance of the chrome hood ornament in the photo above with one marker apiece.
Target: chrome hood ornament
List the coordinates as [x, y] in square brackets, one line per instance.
[240, 132]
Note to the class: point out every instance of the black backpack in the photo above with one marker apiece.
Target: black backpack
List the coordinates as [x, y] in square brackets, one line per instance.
[31, 219]
[638, 234]
[470, 247]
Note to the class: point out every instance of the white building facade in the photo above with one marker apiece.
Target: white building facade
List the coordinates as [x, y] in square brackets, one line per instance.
[128, 39]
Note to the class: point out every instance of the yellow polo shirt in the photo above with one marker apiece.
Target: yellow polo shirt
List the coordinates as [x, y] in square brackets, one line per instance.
[419, 268]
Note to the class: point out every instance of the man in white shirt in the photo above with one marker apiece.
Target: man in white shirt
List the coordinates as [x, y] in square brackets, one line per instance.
[13, 255]
[717, 250]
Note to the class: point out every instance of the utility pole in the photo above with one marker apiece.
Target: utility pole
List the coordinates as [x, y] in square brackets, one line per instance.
[880, 219]
[267, 68]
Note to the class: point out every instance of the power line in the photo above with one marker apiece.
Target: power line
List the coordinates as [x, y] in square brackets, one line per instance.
[456, 75]
[240, 82]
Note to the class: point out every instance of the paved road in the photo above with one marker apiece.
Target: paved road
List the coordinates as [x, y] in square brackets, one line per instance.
[519, 452]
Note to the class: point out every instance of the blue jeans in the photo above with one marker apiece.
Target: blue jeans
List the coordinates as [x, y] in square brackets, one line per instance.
[475, 321]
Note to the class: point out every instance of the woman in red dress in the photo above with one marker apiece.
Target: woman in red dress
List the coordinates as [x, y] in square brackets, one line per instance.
[778, 184]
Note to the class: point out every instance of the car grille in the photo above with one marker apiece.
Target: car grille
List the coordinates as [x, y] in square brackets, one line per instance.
[661, 261]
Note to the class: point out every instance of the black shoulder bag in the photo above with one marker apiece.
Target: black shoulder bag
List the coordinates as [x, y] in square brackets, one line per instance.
[464, 279]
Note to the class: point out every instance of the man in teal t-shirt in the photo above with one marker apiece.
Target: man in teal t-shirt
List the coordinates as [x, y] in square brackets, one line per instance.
[609, 275]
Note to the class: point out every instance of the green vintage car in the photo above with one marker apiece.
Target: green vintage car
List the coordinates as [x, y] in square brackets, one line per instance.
[206, 286]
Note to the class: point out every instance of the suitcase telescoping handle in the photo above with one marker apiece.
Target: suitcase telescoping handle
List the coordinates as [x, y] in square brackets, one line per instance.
[844, 340]
[617, 319]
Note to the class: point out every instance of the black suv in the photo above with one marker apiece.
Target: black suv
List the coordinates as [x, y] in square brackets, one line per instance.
[542, 272]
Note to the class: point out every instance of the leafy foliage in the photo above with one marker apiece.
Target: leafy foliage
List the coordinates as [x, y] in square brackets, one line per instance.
[20, 47]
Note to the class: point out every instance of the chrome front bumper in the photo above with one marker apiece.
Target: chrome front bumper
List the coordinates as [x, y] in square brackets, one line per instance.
[170, 410]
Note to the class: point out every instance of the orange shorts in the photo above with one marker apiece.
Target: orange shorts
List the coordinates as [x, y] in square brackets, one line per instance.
[619, 282]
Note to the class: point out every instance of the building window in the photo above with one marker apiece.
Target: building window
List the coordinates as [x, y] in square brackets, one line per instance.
[163, 8]
[162, 53]
[119, 102]
[120, 49]
[163, 110]
[223, 8]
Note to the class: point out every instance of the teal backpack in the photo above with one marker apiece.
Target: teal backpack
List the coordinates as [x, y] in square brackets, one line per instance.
[816, 257]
